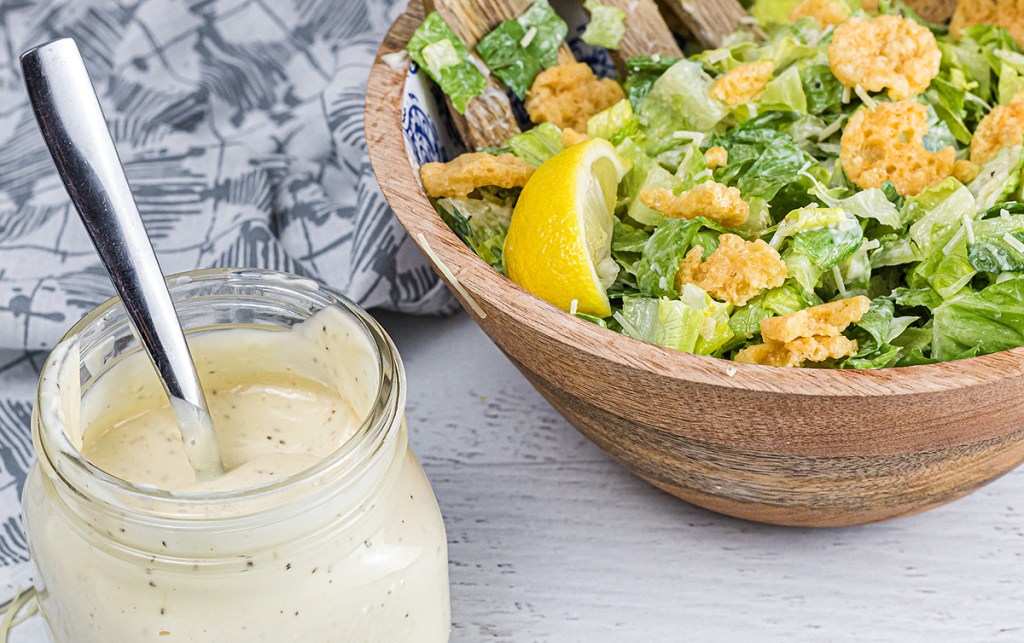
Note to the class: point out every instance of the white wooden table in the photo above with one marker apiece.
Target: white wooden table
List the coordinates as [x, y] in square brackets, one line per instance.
[551, 542]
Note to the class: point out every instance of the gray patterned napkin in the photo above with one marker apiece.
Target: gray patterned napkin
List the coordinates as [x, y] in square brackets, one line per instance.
[240, 124]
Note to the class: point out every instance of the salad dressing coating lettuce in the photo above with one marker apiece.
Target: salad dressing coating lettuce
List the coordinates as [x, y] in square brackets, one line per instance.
[943, 268]
[436, 48]
[607, 25]
[517, 50]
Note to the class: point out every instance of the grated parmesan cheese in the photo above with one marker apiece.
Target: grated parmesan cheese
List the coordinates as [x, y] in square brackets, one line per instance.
[484, 69]
[837, 274]
[948, 248]
[865, 97]
[528, 37]
[1013, 242]
[833, 128]
[450, 276]
[684, 135]
[969, 228]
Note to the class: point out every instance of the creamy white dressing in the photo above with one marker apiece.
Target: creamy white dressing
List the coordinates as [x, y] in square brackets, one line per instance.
[365, 563]
[271, 417]
[279, 405]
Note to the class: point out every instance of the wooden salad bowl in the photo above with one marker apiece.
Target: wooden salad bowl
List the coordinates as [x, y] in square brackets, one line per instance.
[807, 447]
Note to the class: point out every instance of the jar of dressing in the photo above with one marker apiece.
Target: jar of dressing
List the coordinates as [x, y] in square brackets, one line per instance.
[324, 527]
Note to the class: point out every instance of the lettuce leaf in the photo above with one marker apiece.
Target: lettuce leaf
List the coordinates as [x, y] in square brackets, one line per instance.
[823, 90]
[679, 100]
[550, 32]
[481, 224]
[765, 162]
[813, 252]
[437, 50]
[937, 214]
[999, 179]
[657, 268]
[502, 51]
[538, 144]
[785, 92]
[515, 63]
[614, 124]
[695, 323]
[865, 204]
[980, 323]
[607, 25]
[643, 71]
[644, 174]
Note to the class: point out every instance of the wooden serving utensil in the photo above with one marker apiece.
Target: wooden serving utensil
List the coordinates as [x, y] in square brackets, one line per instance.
[710, 21]
[489, 120]
[647, 33]
[933, 10]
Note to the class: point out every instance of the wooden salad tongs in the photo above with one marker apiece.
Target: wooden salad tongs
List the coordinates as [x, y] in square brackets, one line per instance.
[489, 120]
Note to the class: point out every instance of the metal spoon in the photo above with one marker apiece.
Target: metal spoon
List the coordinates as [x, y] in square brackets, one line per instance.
[73, 126]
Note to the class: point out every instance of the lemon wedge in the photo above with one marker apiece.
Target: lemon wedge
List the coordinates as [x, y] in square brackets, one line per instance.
[559, 242]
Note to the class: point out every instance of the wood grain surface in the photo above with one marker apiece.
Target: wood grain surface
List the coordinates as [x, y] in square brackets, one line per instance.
[933, 10]
[488, 120]
[646, 32]
[801, 447]
[709, 21]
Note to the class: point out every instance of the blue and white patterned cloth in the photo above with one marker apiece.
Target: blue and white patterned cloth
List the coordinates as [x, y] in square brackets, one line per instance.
[240, 124]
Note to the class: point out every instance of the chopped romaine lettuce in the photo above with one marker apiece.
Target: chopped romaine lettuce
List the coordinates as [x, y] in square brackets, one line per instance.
[481, 224]
[656, 271]
[785, 92]
[549, 31]
[805, 219]
[823, 90]
[937, 214]
[644, 174]
[614, 124]
[643, 71]
[436, 48]
[538, 144]
[694, 323]
[503, 52]
[765, 162]
[607, 25]
[679, 100]
[999, 180]
[944, 268]
[773, 11]
[813, 252]
[979, 323]
[517, 50]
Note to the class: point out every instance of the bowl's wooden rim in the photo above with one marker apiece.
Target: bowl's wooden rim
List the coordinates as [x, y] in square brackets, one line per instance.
[494, 292]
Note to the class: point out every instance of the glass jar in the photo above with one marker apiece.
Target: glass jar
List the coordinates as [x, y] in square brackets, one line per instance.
[352, 549]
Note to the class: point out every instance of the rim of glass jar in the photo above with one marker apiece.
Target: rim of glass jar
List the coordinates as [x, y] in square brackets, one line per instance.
[375, 431]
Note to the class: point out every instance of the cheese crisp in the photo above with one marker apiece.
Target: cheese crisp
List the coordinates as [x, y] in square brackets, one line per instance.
[710, 200]
[736, 272]
[458, 178]
[887, 144]
[885, 53]
[568, 95]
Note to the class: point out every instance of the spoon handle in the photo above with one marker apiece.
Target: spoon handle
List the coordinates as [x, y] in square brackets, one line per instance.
[73, 126]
